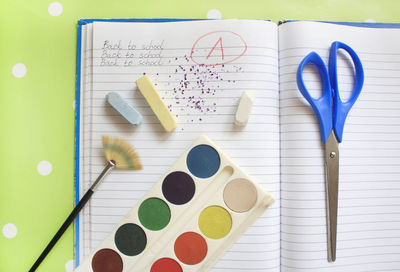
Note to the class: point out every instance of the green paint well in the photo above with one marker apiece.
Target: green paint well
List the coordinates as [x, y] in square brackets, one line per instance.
[154, 214]
[130, 239]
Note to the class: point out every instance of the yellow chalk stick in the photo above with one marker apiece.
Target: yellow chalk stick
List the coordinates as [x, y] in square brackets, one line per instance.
[158, 106]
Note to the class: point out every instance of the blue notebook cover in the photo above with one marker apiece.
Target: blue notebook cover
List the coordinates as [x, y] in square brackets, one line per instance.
[82, 22]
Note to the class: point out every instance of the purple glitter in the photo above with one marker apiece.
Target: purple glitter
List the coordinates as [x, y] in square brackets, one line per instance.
[195, 85]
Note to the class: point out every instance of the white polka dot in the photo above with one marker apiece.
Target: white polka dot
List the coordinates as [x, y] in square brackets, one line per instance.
[55, 9]
[73, 104]
[44, 168]
[214, 14]
[9, 230]
[19, 70]
[370, 21]
[69, 266]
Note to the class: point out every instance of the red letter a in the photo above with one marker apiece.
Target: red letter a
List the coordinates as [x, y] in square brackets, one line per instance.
[214, 48]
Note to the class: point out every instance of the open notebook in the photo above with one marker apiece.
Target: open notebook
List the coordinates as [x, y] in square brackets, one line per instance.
[280, 147]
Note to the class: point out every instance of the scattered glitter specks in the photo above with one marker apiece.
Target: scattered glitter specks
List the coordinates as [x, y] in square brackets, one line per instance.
[196, 87]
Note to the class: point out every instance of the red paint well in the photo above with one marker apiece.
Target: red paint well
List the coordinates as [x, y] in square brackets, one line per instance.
[166, 265]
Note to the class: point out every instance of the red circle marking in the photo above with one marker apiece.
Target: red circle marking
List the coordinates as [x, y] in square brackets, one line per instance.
[218, 31]
[166, 265]
[190, 248]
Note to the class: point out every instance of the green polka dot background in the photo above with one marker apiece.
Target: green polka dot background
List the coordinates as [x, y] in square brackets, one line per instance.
[37, 102]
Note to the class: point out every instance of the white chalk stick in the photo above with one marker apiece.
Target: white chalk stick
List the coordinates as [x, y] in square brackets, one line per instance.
[244, 108]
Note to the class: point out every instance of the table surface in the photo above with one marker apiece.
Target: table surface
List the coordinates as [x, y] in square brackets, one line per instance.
[37, 102]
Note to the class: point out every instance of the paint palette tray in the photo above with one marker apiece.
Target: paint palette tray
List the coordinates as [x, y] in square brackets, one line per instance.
[187, 220]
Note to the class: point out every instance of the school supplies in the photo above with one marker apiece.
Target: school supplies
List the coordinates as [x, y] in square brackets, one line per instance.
[119, 154]
[201, 69]
[331, 113]
[191, 216]
[122, 106]
[158, 106]
[244, 109]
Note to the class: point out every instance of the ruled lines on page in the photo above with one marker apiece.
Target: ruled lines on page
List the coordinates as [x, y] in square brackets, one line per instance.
[203, 98]
[368, 233]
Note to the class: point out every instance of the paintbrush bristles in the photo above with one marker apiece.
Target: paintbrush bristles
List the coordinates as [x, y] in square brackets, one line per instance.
[121, 152]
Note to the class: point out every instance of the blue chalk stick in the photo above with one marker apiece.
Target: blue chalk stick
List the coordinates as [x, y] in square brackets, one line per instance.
[127, 111]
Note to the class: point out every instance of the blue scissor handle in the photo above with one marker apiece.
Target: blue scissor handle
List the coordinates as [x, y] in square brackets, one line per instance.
[323, 105]
[341, 109]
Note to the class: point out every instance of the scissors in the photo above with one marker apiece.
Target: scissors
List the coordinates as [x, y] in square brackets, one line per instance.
[331, 112]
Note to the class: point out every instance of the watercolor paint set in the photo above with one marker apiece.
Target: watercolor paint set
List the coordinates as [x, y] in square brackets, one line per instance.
[187, 220]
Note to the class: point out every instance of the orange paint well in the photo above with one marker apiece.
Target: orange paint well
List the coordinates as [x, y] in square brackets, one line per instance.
[190, 248]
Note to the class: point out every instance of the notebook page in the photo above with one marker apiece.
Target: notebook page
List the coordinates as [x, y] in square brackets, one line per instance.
[204, 100]
[368, 232]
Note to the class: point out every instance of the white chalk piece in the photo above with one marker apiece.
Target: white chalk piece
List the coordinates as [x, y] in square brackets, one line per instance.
[244, 108]
[127, 111]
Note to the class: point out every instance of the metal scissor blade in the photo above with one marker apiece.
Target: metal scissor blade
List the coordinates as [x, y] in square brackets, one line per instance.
[332, 186]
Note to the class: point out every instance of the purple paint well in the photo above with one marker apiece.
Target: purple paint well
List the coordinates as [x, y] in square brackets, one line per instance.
[178, 188]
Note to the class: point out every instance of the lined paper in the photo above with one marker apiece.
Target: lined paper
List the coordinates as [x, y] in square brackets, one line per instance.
[202, 98]
[369, 183]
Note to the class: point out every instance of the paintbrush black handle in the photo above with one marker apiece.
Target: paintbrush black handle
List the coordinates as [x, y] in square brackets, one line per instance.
[71, 217]
[63, 228]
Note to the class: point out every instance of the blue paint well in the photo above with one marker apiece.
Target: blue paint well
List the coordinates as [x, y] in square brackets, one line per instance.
[203, 161]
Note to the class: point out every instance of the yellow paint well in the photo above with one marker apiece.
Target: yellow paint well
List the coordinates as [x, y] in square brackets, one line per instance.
[215, 222]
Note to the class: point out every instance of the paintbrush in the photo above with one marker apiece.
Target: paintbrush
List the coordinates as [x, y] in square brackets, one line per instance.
[119, 154]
